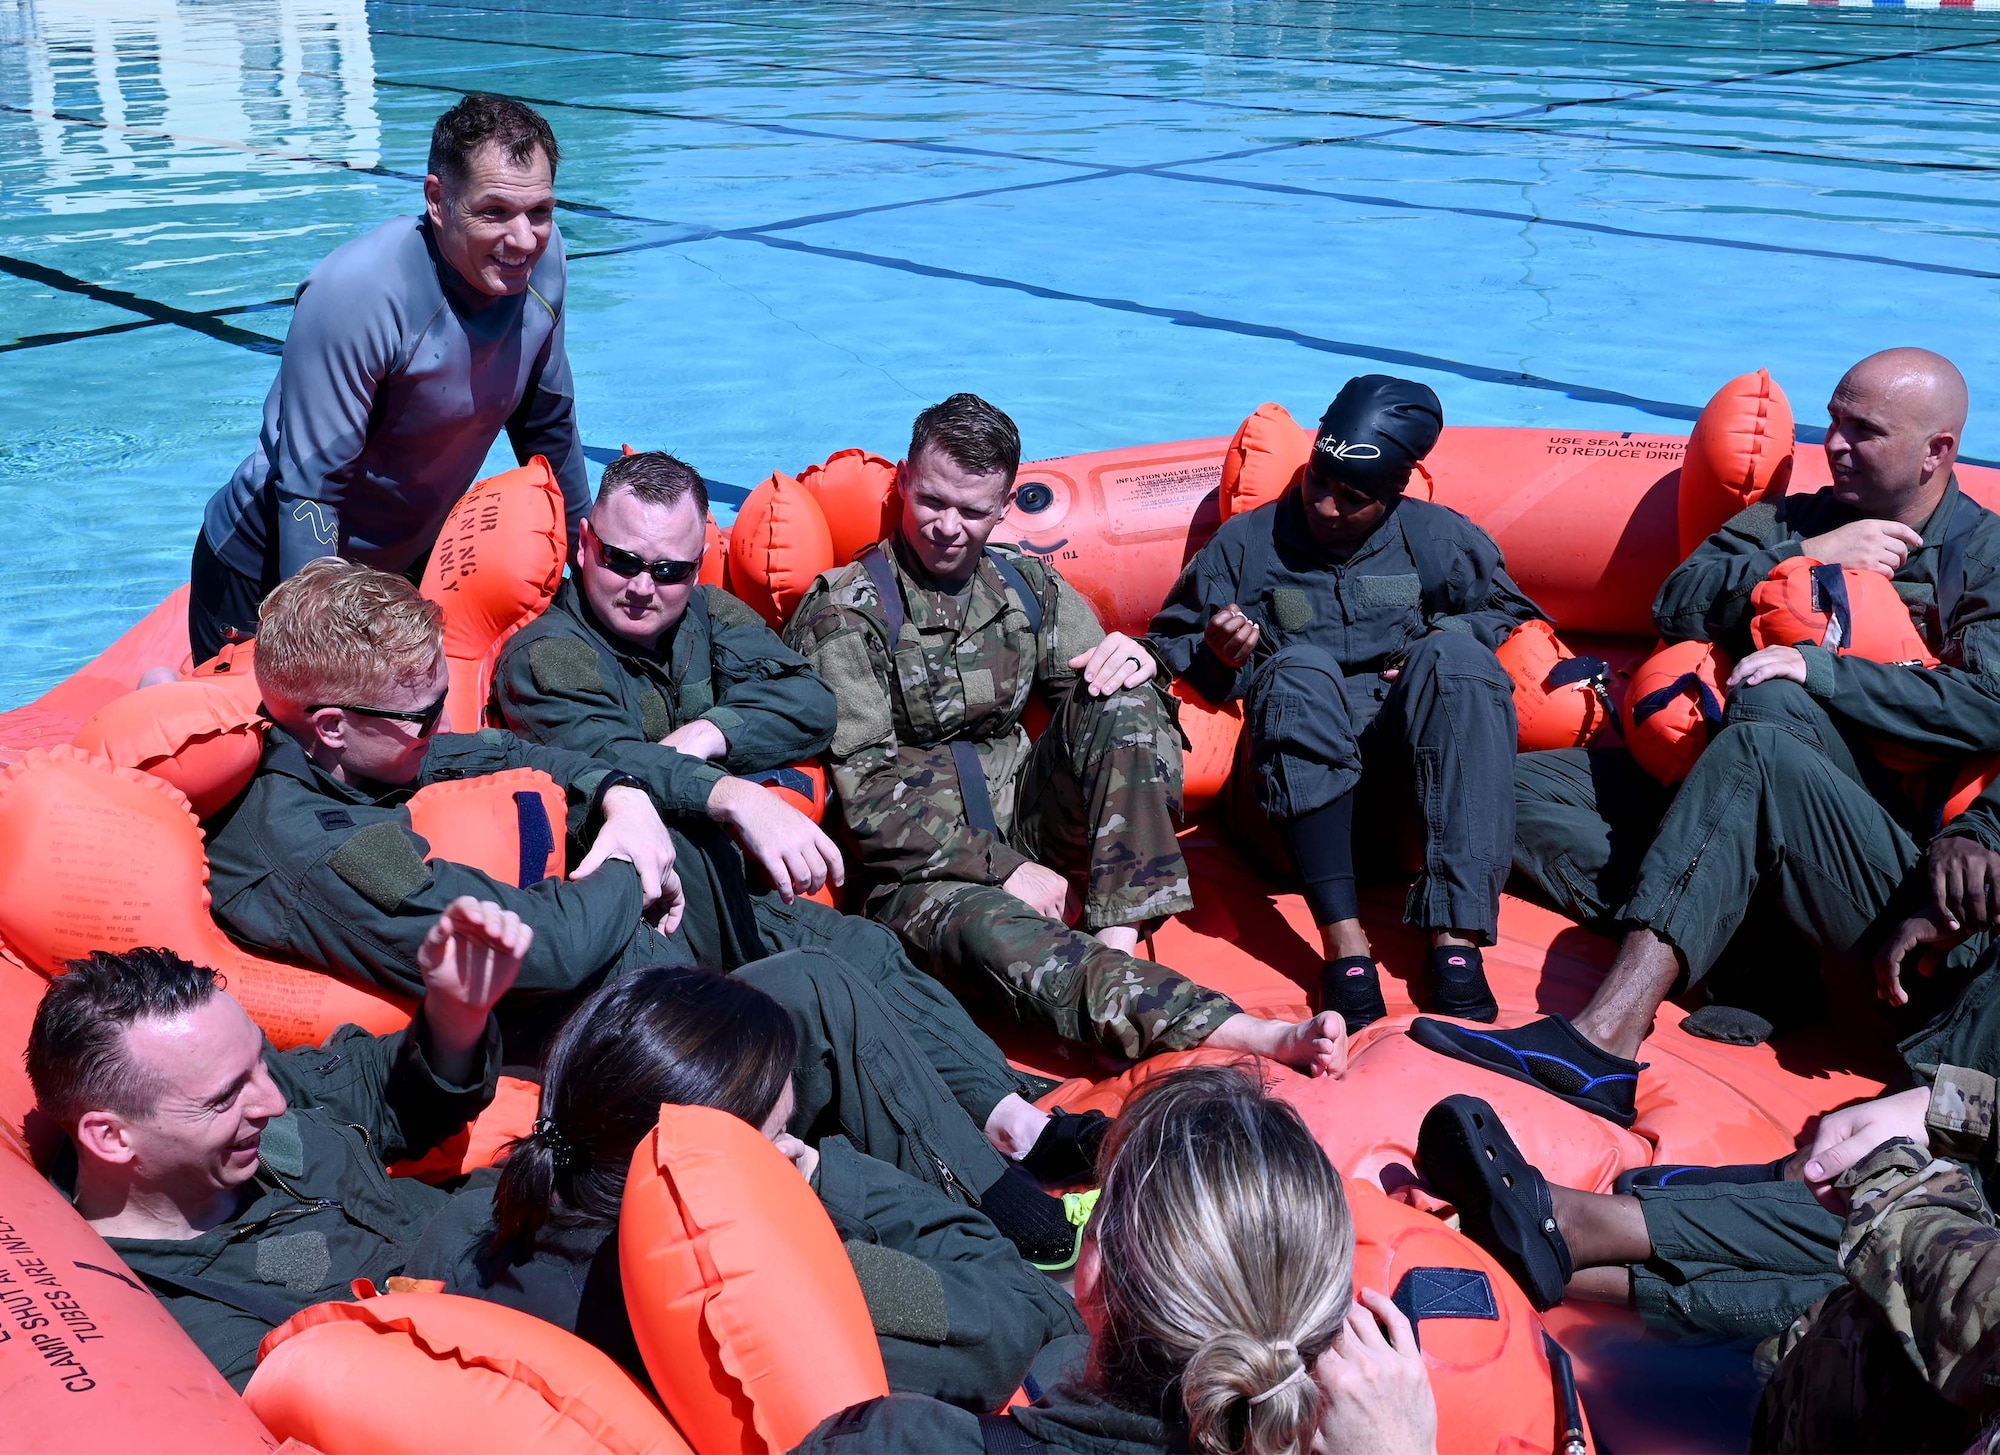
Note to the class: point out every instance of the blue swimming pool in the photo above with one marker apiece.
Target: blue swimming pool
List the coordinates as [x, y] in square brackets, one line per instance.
[792, 224]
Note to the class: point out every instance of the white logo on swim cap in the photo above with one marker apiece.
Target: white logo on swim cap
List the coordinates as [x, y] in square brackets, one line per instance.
[1346, 450]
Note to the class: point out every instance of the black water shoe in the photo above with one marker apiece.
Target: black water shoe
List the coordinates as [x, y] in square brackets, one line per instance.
[1673, 1175]
[1503, 1203]
[1352, 985]
[1458, 984]
[1548, 1053]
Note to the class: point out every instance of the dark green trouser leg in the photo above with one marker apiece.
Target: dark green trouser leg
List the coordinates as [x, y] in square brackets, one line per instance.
[1776, 799]
[933, 1020]
[1734, 1261]
[858, 1076]
[1582, 822]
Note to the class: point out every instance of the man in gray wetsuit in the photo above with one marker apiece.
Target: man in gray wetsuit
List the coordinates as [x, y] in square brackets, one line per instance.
[410, 349]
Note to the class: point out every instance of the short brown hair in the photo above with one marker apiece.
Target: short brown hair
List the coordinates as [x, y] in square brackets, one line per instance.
[517, 129]
[656, 477]
[341, 632]
[976, 436]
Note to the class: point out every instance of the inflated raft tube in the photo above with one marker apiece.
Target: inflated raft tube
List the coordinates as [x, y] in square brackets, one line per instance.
[742, 1298]
[92, 1360]
[425, 1373]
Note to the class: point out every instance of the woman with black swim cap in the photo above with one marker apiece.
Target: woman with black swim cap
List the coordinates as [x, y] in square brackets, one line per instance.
[1358, 628]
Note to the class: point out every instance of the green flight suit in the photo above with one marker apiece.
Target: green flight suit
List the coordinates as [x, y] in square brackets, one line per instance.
[311, 869]
[566, 680]
[1065, 1414]
[1095, 797]
[322, 1210]
[1905, 1355]
[1789, 800]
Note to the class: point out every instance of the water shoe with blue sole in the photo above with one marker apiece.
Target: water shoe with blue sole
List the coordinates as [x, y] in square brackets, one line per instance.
[1548, 1053]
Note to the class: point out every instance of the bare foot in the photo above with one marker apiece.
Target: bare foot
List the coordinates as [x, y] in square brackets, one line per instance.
[1013, 1127]
[154, 676]
[1317, 1046]
[1120, 937]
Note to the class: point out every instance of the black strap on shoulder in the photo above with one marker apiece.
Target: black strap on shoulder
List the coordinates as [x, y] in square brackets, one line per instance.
[266, 1308]
[1429, 553]
[1001, 1436]
[972, 789]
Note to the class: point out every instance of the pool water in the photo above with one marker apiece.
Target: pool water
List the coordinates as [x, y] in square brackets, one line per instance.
[791, 225]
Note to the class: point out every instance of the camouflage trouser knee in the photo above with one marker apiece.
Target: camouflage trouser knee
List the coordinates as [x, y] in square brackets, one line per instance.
[1098, 796]
[983, 939]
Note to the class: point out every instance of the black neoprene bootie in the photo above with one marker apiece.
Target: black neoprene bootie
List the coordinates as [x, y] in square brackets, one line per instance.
[1458, 984]
[1066, 1151]
[1352, 985]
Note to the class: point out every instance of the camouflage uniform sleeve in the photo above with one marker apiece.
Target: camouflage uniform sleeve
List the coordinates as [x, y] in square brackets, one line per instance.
[893, 796]
[771, 706]
[551, 691]
[1481, 598]
[1922, 1248]
[1960, 1118]
[1707, 597]
[1069, 628]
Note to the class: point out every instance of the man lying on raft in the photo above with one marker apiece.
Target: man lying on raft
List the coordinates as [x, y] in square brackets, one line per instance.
[1790, 798]
[970, 835]
[241, 1183]
[317, 862]
[410, 349]
[1358, 628]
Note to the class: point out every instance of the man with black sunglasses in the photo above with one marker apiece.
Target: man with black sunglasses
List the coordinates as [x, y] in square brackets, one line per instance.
[645, 669]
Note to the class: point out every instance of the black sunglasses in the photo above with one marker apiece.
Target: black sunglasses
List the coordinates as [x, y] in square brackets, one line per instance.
[624, 563]
[426, 718]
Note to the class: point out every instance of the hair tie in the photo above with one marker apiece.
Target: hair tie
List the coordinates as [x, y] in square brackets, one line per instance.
[561, 1153]
[1290, 1379]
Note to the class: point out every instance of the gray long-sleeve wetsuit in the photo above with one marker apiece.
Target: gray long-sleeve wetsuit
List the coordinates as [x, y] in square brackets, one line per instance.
[398, 375]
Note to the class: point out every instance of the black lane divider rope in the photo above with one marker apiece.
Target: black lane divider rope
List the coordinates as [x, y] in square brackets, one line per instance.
[207, 324]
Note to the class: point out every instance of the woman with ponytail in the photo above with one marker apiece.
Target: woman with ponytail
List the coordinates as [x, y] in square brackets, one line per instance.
[958, 1314]
[1216, 1282]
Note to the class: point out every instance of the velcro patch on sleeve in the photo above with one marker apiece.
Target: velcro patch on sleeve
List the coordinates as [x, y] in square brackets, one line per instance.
[905, 1296]
[381, 864]
[564, 664]
[842, 659]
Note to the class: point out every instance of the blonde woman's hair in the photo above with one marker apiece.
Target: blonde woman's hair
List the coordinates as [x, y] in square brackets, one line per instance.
[1226, 1258]
[343, 633]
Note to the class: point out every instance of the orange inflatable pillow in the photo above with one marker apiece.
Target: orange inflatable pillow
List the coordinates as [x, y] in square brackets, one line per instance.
[742, 1298]
[1211, 752]
[512, 825]
[1973, 779]
[195, 734]
[779, 543]
[97, 857]
[801, 784]
[1482, 1340]
[1739, 452]
[1846, 611]
[1673, 707]
[495, 568]
[856, 492]
[1266, 457]
[1561, 700]
[419, 1373]
[482, 1143]
[233, 669]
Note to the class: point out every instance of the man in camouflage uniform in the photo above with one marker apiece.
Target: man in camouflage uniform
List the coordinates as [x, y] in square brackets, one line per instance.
[969, 833]
[1907, 1355]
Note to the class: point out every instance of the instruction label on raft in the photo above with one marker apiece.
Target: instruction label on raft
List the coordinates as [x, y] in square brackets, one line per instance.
[41, 1316]
[1140, 499]
[1666, 449]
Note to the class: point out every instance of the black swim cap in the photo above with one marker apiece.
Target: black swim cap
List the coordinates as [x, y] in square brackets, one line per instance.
[1376, 428]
